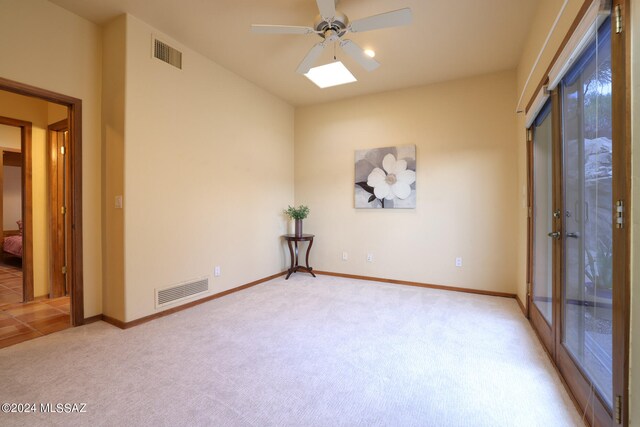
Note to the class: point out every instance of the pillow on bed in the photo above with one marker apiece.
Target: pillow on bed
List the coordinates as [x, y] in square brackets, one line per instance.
[19, 222]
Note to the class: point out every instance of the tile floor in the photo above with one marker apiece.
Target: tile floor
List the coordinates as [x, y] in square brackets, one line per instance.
[10, 284]
[24, 321]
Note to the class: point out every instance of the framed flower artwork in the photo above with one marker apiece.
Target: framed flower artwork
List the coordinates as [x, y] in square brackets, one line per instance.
[386, 178]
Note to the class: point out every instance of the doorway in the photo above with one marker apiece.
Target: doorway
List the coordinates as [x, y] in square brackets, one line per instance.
[28, 307]
[72, 224]
[16, 215]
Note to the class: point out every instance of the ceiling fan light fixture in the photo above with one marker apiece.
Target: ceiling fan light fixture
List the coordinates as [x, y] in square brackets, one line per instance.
[328, 75]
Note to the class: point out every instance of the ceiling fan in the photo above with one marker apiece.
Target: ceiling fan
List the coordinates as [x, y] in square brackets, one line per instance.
[332, 25]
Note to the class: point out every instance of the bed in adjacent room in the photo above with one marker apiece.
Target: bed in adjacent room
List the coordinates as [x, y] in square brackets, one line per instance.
[12, 242]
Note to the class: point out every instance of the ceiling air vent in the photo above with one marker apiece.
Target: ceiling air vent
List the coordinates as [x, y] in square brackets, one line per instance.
[166, 53]
[180, 292]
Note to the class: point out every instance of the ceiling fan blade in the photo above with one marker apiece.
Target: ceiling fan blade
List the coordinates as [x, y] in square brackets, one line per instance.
[310, 59]
[280, 29]
[356, 52]
[384, 20]
[327, 8]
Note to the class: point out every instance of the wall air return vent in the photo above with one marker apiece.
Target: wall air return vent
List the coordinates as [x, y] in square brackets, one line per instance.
[166, 53]
[180, 292]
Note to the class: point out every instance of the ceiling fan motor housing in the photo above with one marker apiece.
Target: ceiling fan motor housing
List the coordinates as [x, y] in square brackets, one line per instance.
[338, 24]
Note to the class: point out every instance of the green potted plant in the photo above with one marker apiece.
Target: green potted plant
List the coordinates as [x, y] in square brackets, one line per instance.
[297, 214]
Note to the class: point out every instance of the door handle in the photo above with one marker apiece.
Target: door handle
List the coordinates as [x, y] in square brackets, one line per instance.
[572, 235]
[555, 235]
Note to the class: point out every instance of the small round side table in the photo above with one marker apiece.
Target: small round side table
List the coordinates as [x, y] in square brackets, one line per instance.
[292, 238]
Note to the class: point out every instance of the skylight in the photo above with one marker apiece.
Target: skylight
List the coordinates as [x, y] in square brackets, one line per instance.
[329, 75]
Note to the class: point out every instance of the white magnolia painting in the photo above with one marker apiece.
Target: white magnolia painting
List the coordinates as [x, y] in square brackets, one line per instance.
[386, 178]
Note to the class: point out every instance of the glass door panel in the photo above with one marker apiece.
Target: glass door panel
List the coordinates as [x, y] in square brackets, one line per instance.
[587, 213]
[542, 214]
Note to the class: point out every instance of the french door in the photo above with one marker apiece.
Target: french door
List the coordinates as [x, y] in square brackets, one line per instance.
[577, 245]
[545, 217]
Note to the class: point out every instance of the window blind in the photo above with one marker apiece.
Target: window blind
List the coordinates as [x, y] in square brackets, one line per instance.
[584, 33]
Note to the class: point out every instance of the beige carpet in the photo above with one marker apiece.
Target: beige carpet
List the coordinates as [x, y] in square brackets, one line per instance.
[302, 352]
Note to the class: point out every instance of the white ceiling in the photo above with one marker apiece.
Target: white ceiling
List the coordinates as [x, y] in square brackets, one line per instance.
[447, 39]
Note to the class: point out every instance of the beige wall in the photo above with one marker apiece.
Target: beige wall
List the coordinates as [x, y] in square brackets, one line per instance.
[11, 196]
[56, 112]
[113, 103]
[54, 49]
[466, 183]
[10, 137]
[634, 358]
[208, 169]
[35, 111]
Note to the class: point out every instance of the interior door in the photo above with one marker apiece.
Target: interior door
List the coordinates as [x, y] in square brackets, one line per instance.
[60, 220]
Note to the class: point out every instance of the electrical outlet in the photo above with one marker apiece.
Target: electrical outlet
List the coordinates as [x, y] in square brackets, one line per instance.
[369, 257]
[216, 271]
[118, 202]
[459, 262]
[345, 256]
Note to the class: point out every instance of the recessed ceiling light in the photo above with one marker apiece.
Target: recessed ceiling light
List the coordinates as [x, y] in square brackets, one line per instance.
[329, 75]
[370, 53]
